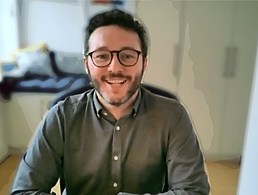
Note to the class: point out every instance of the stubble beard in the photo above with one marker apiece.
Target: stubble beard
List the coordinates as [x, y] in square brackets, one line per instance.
[131, 91]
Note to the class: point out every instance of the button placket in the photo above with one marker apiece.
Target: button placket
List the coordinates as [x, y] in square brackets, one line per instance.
[115, 185]
[116, 152]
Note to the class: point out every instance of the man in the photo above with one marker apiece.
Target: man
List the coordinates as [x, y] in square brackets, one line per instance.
[117, 138]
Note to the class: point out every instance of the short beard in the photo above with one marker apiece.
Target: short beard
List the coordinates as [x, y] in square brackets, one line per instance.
[136, 85]
[133, 89]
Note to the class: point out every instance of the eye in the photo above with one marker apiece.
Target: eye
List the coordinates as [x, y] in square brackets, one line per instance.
[127, 56]
[101, 55]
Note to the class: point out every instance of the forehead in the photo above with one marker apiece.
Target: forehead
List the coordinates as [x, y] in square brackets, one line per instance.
[113, 38]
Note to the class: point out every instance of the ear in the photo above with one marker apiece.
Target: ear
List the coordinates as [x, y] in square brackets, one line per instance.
[85, 62]
[145, 63]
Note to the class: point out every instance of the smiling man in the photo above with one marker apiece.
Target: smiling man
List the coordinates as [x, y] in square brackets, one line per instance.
[118, 138]
[116, 66]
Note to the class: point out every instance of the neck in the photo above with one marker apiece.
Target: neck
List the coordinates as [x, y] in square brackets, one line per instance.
[121, 110]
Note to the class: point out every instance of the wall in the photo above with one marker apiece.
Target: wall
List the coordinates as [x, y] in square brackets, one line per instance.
[193, 35]
[8, 27]
[3, 134]
[60, 24]
[23, 115]
[188, 51]
[249, 169]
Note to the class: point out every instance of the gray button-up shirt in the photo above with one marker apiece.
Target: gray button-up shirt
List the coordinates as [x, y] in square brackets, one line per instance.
[153, 149]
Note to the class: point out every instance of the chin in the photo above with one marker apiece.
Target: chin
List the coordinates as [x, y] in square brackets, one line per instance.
[116, 101]
[117, 97]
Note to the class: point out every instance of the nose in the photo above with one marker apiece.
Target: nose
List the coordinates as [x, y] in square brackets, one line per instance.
[115, 65]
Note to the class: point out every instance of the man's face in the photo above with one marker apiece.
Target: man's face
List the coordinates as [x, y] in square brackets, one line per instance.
[115, 84]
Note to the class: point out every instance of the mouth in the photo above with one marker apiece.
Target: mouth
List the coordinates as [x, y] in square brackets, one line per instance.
[116, 81]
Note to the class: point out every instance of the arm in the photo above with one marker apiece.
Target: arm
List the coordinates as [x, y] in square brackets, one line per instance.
[185, 165]
[41, 165]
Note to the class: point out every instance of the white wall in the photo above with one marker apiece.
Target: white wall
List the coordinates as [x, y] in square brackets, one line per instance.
[60, 24]
[23, 115]
[8, 28]
[203, 30]
[249, 170]
[3, 137]
[201, 86]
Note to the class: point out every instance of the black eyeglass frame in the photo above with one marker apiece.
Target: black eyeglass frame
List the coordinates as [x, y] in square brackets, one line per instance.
[117, 55]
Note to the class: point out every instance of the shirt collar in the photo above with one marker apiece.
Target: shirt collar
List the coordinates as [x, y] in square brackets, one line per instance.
[96, 103]
[137, 103]
[99, 107]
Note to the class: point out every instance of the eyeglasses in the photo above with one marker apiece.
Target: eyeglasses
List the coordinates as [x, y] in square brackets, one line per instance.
[126, 57]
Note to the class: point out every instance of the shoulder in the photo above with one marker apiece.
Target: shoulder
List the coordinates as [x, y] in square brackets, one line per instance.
[74, 103]
[165, 113]
[161, 104]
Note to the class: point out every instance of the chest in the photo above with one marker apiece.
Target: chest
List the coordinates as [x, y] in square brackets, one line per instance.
[131, 146]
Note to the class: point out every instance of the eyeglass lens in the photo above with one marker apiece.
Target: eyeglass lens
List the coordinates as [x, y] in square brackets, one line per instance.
[126, 57]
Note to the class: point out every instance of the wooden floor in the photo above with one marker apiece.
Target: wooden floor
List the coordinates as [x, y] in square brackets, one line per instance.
[223, 176]
[7, 171]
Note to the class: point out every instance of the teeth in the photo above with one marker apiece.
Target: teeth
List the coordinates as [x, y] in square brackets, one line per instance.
[116, 82]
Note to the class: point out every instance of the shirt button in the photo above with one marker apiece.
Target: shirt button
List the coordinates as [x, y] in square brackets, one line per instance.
[115, 185]
[118, 128]
[105, 113]
[115, 157]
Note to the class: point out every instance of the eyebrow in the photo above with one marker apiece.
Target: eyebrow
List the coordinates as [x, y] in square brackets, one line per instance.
[101, 48]
[106, 48]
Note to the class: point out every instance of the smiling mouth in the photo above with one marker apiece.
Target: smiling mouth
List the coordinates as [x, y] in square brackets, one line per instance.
[116, 82]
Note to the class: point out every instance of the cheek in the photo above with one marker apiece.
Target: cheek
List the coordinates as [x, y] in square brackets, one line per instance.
[138, 71]
[94, 71]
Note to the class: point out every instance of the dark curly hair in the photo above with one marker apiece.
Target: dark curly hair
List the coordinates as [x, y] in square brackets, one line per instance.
[121, 19]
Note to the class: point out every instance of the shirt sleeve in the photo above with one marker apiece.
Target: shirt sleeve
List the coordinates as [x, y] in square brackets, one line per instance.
[41, 165]
[185, 165]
